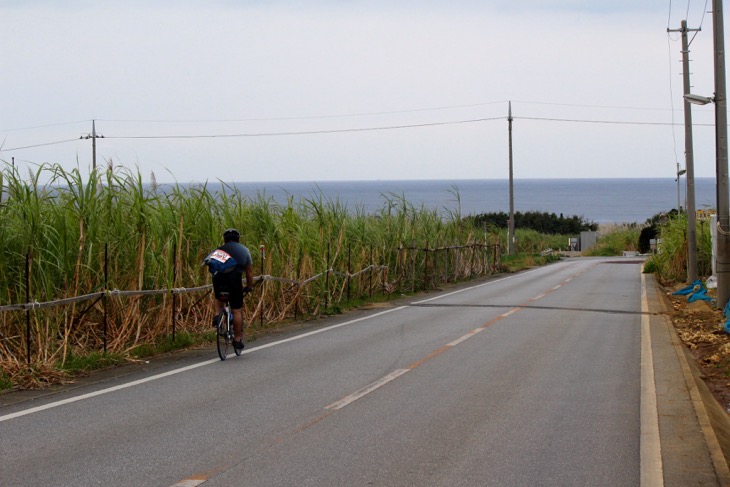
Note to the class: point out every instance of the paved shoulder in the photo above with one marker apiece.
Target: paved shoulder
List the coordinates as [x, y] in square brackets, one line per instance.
[692, 426]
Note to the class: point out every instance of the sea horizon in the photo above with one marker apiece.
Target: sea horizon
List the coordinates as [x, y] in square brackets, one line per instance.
[597, 200]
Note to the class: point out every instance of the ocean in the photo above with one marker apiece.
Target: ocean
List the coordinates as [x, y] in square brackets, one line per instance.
[597, 200]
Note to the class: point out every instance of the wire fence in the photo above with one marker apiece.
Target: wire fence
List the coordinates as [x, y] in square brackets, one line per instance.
[123, 319]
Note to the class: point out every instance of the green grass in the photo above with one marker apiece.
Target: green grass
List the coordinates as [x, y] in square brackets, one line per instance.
[616, 241]
[167, 344]
[80, 234]
[671, 257]
[92, 361]
[6, 382]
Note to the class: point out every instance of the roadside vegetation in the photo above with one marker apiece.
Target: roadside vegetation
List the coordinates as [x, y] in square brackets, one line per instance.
[669, 260]
[616, 239]
[66, 235]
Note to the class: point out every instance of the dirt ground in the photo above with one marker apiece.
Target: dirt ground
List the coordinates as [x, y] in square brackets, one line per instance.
[700, 327]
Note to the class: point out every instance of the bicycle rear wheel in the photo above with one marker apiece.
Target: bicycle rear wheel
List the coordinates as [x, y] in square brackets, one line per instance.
[223, 335]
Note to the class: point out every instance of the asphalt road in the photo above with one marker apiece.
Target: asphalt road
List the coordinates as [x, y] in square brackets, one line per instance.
[525, 380]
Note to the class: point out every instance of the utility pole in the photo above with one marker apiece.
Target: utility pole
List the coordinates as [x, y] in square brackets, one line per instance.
[721, 163]
[511, 223]
[689, 160]
[93, 136]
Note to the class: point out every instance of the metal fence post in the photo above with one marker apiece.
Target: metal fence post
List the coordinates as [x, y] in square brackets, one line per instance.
[262, 249]
[106, 288]
[174, 282]
[28, 257]
[447, 264]
[349, 251]
[413, 266]
[371, 270]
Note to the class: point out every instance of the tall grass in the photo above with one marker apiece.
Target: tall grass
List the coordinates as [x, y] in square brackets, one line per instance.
[670, 259]
[616, 239]
[67, 226]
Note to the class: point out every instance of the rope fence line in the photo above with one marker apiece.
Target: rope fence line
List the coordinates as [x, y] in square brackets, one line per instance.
[407, 270]
[174, 291]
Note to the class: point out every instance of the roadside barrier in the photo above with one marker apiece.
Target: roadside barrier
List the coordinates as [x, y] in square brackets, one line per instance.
[415, 268]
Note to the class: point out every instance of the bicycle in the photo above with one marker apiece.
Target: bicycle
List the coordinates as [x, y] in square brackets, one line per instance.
[224, 332]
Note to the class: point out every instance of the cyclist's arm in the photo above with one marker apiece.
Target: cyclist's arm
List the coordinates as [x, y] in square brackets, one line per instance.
[249, 276]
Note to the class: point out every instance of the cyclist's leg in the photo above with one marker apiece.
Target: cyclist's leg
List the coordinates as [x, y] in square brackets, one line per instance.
[237, 324]
[218, 287]
[236, 306]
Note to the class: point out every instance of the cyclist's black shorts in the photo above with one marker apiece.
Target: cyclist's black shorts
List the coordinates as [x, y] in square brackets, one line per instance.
[232, 283]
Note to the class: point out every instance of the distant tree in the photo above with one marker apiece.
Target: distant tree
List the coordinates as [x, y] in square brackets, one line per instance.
[543, 222]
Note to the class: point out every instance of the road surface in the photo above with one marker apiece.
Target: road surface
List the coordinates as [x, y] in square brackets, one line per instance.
[522, 380]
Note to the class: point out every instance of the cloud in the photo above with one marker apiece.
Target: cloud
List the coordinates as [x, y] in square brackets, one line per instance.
[223, 68]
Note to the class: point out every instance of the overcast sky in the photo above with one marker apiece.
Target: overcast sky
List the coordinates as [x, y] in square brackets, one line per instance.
[354, 90]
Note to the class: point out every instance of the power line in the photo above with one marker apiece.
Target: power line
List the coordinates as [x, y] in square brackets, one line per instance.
[38, 145]
[309, 117]
[671, 95]
[704, 12]
[611, 122]
[348, 130]
[45, 126]
[321, 117]
[306, 132]
[590, 106]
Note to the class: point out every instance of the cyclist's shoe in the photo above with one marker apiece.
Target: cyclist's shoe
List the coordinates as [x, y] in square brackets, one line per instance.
[238, 345]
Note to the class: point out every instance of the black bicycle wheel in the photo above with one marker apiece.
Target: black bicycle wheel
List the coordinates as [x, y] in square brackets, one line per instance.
[222, 335]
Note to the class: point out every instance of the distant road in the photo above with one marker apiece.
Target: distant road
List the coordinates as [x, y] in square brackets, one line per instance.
[530, 379]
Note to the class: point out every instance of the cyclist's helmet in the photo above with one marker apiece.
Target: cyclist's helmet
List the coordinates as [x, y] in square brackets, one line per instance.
[231, 235]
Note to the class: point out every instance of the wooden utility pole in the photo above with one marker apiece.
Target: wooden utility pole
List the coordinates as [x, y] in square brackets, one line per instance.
[93, 136]
[721, 162]
[511, 223]
[689, 160]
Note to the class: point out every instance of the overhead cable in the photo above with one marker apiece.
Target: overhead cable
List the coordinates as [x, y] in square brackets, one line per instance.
[613, 122]
[39, 145]
[306, 132]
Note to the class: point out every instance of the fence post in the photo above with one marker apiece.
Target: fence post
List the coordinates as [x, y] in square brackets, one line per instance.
[262, 249]
[28, 257]
[296, 294]
[327, 279]
[471, 267]
[413, 266]
[425, 268]
[349, 251]
[384, 277]
[447, 264]
[174, 282]
[106, 287]
[397, 265]
[371, 270]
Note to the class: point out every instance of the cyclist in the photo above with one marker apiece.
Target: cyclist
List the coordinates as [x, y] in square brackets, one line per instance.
[232, 282]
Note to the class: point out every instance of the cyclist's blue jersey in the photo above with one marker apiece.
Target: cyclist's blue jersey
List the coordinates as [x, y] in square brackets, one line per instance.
[240, 253]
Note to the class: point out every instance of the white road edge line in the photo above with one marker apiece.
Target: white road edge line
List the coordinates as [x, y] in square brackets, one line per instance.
[182, 369]
[650, 450]
[189, 483]
[367, 389]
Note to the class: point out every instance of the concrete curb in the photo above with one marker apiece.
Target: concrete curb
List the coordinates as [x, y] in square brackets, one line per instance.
[703, 402]
[713, 420]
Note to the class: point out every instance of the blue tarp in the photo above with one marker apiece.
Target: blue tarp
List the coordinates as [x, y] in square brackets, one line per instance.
[690, 289]
[701, 294]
